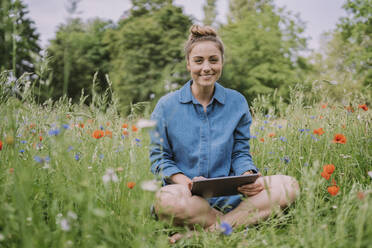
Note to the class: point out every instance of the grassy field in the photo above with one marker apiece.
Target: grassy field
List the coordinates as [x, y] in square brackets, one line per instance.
[63, 185]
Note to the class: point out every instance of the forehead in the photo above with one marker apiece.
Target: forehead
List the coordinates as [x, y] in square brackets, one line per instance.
[205, 49]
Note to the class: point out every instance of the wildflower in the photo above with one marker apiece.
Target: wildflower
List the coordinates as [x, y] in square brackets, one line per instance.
[262, 128]
[23, 141]
[65, 126]
[151, 185]
[271, 135]
[314, 138]
[110, 176]
[65, 226]
[120, 169]
[329, 168]
[125, 125]
[90, 121]
[343, 126]
[108, 133]
[130, 185]
[286, 159]
[361, 195]
[333, 190]
[72, 215]
[77, 156]
[363, 106]
[101, 156]
[266, 122]
[54, 132]
[339, 138]
[319, 131]
[101, 127]
[2, 237]
[68, 116]
[284, 139]
[254, 137]
[70, 148]
[81, 125]
[134, 128]
[108, 124]
[226, 228]
[142, 123]
[41, 138]
[324, 105]
[325, 175]
[262, 140]
[349, 109]
[97, 134]
[125, 133]
[321, 117]
[42, 160]
[1, 145]
[11, 170]
[21, 151]
[312, 117]
[280, 126]
[370, 173]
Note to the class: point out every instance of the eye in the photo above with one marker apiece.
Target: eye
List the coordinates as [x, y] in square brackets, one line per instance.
[214, 60]
[198, 61]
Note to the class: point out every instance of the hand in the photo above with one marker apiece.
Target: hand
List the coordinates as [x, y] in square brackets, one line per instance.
[194, 180]
[251, 189]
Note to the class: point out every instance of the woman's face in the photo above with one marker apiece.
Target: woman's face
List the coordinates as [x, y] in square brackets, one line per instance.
[205, 63]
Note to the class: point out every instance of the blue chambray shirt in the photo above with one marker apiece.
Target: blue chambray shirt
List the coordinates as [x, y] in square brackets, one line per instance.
[188, 140]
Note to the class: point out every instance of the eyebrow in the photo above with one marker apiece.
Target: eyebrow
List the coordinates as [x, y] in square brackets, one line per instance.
[197, 56]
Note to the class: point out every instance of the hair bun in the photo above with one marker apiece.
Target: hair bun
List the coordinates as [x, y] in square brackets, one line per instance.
[197, 31]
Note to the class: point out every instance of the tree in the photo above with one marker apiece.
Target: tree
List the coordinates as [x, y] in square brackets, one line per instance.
[210, 12]
[76, 53]
[356, 32]
[146, 50]
[262, 49]
[18, 38]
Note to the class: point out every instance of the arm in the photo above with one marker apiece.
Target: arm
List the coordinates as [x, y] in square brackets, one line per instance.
[241, 157]
[161, 155]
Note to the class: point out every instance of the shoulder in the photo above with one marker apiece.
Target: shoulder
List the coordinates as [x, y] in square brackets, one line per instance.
[169, 99]
[235, 98]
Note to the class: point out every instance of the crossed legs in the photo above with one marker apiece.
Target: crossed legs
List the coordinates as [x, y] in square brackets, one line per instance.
[176, 204]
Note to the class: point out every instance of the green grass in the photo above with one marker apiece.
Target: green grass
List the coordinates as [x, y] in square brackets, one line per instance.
[40, 200]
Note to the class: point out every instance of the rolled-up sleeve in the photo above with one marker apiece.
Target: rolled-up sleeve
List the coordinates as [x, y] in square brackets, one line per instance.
[161, 155]
[241, 157]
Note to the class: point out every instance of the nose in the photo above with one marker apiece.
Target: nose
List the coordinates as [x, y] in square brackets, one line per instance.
[206, 67]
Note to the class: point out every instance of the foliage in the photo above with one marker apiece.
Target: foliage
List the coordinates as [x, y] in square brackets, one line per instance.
[146, 51]
[69, 189]
[262, 49]
[18, 38]
[210, 12]
[76, 53]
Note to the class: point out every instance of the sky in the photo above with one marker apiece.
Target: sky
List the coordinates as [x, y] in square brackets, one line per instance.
[319, 15]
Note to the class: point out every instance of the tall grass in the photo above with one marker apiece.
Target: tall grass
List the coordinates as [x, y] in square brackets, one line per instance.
[53, 193]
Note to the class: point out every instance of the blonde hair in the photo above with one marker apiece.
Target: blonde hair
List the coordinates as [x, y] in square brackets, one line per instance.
[198, 34]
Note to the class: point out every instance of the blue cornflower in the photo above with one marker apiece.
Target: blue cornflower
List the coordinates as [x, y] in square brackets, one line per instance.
[266, 169]
[286, 159]
[101, 127]
[314, 138]
[101, 156]
[23, 141]
[284, 139]
[70, 148]
[306, 164]
[19, 135]
[262, 127]
[65, 126]
[312, 117]
[253, 137]
[54, 132]
[266, 122]
[47, 159]
[33, 131]
[280, 126]
[77, 156]
[138, 140]
[38, 159]
[226, 228]
[267, 116]
[301, 130]
[122, 136]
[21, 151]
[307, 129]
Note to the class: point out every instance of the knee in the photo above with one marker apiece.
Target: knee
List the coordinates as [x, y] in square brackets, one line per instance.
[291, 189]
[171, 200]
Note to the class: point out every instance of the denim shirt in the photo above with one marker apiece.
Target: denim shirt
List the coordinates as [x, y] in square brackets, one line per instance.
[188, 140]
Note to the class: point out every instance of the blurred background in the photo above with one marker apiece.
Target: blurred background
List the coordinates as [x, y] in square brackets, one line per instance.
[77, 48]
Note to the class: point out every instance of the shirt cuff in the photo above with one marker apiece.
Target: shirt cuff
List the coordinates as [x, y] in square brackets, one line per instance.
[167, 172]
[245, 169]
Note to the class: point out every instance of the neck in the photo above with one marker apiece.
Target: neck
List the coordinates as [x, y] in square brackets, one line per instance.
[202, 94]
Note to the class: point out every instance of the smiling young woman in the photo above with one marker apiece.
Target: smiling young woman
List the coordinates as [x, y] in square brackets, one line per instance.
[202, 131]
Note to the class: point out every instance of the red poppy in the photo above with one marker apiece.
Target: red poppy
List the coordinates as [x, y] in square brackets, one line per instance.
[329, 168]
[361, 195]
[343, 126]
[339, 138]
[321, 117]
[1, 145]
[11, 170]
[349, 108]
[131, 185]
[97, 134]
[363, 106]
[271, 135]
[108, 133]
[125, 132]
[108, 124]
[41, 138]
[125, 125]
[319, 131]
[90, 121]
[68, 116]
[134, 128]
[262, 140]
[81, 125]
[325, 175]
[324, 105]
[333, 190]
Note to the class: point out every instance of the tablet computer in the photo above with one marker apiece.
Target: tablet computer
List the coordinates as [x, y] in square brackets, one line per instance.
[221, 186]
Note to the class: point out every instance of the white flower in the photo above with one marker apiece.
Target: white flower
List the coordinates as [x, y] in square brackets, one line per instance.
[151, 185]
[71, 215]
[65, 226]
[370, 173]
[1, 237]
[143, 123]
[110, 176]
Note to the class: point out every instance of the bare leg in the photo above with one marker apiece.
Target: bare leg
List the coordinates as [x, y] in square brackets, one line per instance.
[280, 191]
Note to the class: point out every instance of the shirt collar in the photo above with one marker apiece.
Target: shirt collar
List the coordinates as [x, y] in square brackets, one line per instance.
[186, 95]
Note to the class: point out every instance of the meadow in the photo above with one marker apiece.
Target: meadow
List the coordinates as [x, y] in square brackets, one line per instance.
[73, 175]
